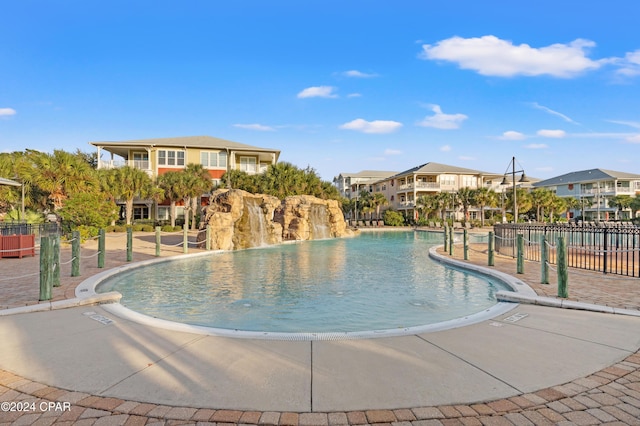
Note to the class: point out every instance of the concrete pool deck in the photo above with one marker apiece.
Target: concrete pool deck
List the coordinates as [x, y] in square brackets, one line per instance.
[533, 365]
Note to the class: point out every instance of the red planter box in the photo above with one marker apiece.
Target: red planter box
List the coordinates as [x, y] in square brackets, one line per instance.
[17, 245]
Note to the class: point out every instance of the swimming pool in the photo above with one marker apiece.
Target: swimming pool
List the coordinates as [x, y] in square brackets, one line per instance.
[376, 281]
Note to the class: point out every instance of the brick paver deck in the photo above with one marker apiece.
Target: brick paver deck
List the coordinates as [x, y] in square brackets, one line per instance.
[610, 396]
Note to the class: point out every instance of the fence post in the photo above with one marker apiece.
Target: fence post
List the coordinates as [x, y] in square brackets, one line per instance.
[491, 251]
[606, 251]
[101, 248]
[129, 243]
[465, 242]
[451, 241]
[158, 241]
[55, 253]
[185, 239]
[520, 254]
[46, 273]
[563, 273]
[544, 259]
[207, 243]
[75, 254]
[446, 238]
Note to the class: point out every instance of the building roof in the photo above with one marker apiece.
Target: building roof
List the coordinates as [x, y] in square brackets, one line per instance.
[9, 182]
[590, 175]
[369, 174]
[437, 168]
[186, 141]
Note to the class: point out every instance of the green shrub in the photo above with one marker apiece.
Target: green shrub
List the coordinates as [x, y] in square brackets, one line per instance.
[147, 228]
[87, 232]
[393, 218]
[167, 228]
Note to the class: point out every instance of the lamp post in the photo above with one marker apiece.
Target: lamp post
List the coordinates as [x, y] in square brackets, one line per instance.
[522, 179]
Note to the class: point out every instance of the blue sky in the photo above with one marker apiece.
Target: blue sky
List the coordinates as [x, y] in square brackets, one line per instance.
[340, 86]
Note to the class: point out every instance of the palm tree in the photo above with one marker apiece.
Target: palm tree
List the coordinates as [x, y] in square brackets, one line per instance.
[378, 201]
[485, 197]
[173, 185]
[129, 183]
[621, 202]
[465, 197]
[62, 174]
[541, 198]
[197, 181]
[557, 205]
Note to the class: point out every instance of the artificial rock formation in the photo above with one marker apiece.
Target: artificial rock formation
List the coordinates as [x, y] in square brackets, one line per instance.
[239, 219]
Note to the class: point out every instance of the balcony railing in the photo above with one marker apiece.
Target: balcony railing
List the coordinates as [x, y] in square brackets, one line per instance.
[114, 164]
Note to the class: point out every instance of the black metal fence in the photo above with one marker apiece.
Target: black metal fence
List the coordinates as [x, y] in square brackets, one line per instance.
[37, 229]
[611, 248]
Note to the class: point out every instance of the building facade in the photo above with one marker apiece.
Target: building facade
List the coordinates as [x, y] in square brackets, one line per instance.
[158, 156]
[595, 189]
[351, 184]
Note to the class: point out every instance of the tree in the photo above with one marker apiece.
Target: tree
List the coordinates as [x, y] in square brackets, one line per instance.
[196, 181]
[129, 183]
[62, 174]
[621, 203]
[523, 198]
[173, 186]
[377, 202]
[541, 198]
[465, 197]
[392, 218]
[102, 212]
[485, 197]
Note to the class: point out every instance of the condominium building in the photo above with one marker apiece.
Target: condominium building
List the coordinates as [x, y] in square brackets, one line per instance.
[350, 184]
[594, 188]
[158, 156]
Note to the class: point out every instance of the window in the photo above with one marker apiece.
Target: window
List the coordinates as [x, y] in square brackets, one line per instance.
[141, 160]
[140, 212]
[468, 181]
[163, 213]
[213, 159]
[170, 158]
[448, 180]
[248, 164]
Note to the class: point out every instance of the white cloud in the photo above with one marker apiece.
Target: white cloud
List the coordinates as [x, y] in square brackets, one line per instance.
[634, 124]
[445, 148]
[512, 135]
[255, 126]
[546, 133]
[634, 139]
[536, 146]
[491, 56]
[630, 65]
[441, 120]
[358, 74]
[390, 151]
[376, 126]
[552, 112]
[354, 95]
[7, 112]
[318, 92]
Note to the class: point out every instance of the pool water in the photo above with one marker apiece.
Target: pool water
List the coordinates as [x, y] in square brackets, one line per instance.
[376, 281]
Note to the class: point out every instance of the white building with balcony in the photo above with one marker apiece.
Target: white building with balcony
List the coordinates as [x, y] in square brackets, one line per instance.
[595, 188]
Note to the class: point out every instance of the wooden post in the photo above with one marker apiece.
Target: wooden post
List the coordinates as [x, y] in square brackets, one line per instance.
[75, 254]
[465, 241]
[46, 274]
[207, 243]
[446, 238]
[544, 261]
[520, 254]
[101, 248]
[451, 241]
[563, 272]
[129, 243]
[55, 253]
[185, 239]
[158, 241]
[491, 250]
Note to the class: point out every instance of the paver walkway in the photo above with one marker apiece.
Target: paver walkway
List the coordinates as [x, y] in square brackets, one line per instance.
[610, 396]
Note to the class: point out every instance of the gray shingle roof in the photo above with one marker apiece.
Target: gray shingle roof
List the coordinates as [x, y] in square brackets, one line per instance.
[436, 168]
[188, 141]
[586, 176]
